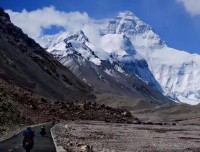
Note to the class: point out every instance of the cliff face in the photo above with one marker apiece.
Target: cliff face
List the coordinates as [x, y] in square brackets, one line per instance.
[26, 64]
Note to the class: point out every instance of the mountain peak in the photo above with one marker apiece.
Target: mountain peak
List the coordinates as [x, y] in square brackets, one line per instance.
[82, 35]
[79, 36]
[126, 14]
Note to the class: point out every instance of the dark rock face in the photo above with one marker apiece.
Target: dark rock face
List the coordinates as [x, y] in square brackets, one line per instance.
[26, 64]
[9, 114]
[34, 109]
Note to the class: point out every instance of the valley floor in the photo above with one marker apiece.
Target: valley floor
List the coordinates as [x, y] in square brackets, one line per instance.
[113, 137]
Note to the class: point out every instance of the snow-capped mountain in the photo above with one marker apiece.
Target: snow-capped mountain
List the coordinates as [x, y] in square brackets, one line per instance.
[141, 34]
[131, 48]
[108, 71]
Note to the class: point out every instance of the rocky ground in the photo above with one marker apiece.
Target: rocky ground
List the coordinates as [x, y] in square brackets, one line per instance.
[149, 112]
[20, 108]
[159, 128]
[91, 136]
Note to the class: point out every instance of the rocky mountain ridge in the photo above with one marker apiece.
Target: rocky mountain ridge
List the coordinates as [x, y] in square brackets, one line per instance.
[26, 64]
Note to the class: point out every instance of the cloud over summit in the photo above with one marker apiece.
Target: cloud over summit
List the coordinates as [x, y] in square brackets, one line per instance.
[34, 22]
[191, 6]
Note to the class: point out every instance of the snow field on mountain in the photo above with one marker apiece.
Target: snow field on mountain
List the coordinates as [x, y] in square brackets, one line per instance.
[128, 40]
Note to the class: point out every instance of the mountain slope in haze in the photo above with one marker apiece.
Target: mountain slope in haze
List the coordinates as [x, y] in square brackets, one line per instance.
[106, 72]
[172, 72]
[25, 64]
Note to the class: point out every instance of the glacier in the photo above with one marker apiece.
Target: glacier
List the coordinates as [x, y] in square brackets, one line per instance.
[134, 49]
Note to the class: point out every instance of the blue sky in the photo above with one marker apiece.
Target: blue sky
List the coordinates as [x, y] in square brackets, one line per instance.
[176, 23]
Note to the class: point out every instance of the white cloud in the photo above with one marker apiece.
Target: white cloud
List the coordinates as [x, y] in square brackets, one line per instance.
[91, 30]
[34, 22]
[191, 6]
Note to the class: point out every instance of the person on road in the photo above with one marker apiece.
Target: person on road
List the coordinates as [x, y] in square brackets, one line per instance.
[43, 131]
[28, 134]
[43, 128]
